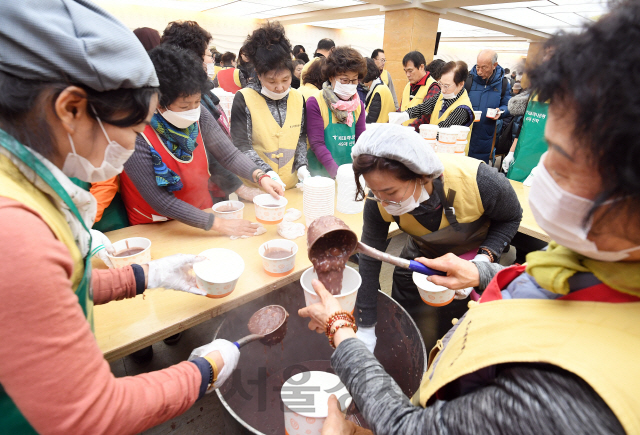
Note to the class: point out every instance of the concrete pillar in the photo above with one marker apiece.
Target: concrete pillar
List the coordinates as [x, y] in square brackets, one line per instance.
[406, 30]
[534, 57]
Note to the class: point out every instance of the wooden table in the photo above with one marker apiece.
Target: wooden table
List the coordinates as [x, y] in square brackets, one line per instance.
[129, 325]
[125, 326]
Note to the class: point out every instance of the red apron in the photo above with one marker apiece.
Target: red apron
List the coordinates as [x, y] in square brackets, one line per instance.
[226, 82]
[194, 175]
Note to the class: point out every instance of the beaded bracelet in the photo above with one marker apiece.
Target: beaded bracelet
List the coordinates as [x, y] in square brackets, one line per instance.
[334, 329]
[344, 315]
[486, 252]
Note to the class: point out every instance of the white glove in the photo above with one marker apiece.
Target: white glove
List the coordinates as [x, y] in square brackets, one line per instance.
[464, 293]
[508, 161]
[101, 246]
[398, 117]
[173, 272]
[303, 172]
[276, 177]
[230, 355]
[367, 335]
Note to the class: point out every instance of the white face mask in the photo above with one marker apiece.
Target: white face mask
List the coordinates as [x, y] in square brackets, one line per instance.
[211, 69]
[182, 119]
[449, 96]
[561, 214]
[408, 204]
[345, 91]
[115, 155]
[274, 95]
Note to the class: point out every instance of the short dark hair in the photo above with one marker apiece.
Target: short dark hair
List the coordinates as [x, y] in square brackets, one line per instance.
[149, 38]
[313, 74]
[342, 60]
[373, 72]
[376, 52]
[23, 116]
[435, 68]
[365, 163]
[298, 62]
[459, 68]
[217, 57]
[298, 49]
[227, 58]
[303, 56]
[507, 71]
[415, 57]
[188, 35]
[268, 48]
[179, 72]
[583, 75]
[325, 44]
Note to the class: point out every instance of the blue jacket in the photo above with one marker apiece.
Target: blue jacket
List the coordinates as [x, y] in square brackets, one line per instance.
[485, 94]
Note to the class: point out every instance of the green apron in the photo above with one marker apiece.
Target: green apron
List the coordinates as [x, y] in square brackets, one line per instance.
[114, 217]
[339, 139]
[531, 144]
[11, 419]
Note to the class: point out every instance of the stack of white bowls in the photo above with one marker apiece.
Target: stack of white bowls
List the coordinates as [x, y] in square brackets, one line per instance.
[447, 140]
[346, 202]
[461, 142]
[319, 198]
[226, 100]
[429, 133]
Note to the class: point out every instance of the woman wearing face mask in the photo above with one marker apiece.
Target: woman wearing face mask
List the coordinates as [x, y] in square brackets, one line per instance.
[445, 203]
[267, 116]
[167, 177]
[552, 347]
[336, 116]
[76, 113]
[451, 106]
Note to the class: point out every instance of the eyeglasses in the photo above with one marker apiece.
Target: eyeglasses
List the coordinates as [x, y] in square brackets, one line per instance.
[389, 202]
[444, 87]
[348, 82]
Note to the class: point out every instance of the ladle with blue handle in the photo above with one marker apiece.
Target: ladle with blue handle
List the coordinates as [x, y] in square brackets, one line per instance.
[331, 226]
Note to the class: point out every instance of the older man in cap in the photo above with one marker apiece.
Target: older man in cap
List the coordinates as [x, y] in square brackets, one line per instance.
[489, 92]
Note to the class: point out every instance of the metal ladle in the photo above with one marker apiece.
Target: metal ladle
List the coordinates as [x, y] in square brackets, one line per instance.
[331, 226]
[270, 337]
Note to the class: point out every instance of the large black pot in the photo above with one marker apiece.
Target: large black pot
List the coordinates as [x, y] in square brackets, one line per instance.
[252, 396]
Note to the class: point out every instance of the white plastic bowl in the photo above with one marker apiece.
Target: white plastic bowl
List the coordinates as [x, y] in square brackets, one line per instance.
[269, 215]
[134, 242]
[278, 266]
[305, 396]
[219, 274]
[236, 214]
[351, 282]
[431, 294]
[429, 131]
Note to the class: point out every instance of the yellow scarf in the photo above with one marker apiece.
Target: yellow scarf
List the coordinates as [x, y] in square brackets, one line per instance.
[553, 268]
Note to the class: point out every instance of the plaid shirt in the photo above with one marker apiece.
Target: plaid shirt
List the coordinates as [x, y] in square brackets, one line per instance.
[434, 90]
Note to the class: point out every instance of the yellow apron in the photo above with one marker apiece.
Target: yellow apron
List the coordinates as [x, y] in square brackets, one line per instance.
[418, 99]
[459, 175]
[274, 144]
[597, 341]
[462, 101]
[386, 100]
[308, 90]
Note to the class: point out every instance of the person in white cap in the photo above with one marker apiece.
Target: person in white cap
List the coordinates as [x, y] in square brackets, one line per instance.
[445, 203]
[76, 87]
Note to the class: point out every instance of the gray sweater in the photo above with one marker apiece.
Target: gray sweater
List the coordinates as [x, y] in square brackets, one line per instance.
[140, 169]
[523, 399]
[500, 204]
